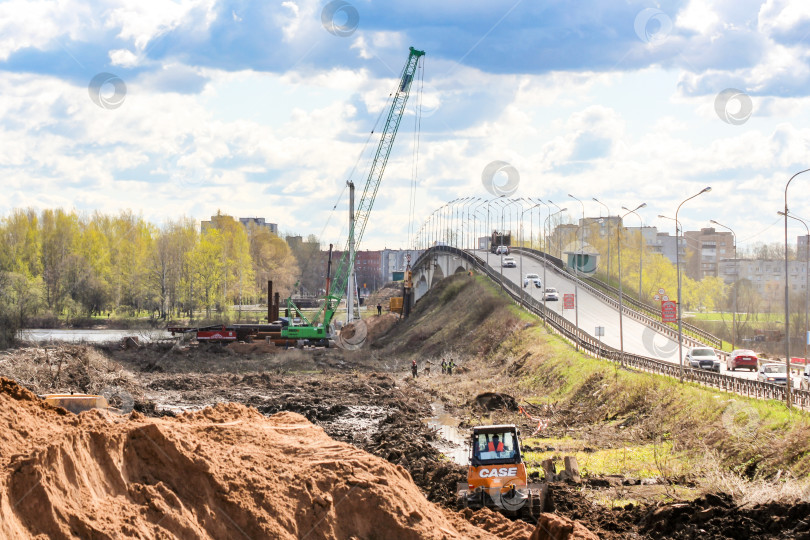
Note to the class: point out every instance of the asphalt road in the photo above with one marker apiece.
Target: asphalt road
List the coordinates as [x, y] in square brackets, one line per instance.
[592, 312]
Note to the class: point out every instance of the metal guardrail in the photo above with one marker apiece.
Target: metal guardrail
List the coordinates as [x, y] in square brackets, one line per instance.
[654, 313]
[575, 335]
[660, 327]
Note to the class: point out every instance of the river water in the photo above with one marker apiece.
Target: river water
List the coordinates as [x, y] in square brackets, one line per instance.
[43, 335]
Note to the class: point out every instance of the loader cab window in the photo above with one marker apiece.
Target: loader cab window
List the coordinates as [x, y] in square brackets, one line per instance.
[495, 447]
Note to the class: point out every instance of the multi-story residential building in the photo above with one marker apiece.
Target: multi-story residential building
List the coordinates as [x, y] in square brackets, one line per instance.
[215, 222]
[395, 260]
[801, 246]
[766, 275]
[704, 251]
[259, 222]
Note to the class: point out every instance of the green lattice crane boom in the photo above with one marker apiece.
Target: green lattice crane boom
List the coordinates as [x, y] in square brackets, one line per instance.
[363, 211]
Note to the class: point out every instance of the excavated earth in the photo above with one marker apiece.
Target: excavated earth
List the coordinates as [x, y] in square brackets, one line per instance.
[226, 471]
[297, 444]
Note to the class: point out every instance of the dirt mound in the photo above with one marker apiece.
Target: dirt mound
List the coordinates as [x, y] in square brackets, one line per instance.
[495, 401]
[618, 524]
[380, 324]
[435, 326]
[223, 472]
[553, 527]
[498, 524]
[383, 296]
[67, 368]
[716, 516]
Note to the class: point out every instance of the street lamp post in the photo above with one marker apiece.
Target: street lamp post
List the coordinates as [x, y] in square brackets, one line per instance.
[577, 261]
[471, 240]
[540, 231]
[787, 293]
[557, 241]
[678, 270]
[640, 248]
[521, 241]
[510, 203]
[806, 278]
[459, 238]
[489, 248]
[547, 226]
[734, 336]
[621, 286]
[608, 234]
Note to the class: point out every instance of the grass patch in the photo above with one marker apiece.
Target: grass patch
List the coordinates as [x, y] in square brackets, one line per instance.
[643, 461]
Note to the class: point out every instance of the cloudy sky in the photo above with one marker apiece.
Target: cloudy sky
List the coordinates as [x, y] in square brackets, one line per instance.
[263, 108]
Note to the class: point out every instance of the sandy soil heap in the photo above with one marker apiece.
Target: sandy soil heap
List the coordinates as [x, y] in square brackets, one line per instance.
[223, 472]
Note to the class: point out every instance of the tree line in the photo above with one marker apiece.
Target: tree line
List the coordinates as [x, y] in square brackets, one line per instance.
[69, 264]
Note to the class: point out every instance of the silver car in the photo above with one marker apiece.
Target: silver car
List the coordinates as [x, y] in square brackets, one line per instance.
[703, 358]
[773, 373]
[532, 278]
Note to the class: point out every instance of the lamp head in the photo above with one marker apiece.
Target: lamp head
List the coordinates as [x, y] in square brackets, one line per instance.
[706, 189]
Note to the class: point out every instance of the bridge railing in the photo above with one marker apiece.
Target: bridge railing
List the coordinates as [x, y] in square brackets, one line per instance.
[589, 344]
[631, 305]
[655, 313]
[643, 318]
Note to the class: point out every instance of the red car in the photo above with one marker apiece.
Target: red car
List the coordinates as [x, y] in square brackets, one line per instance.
[742, 358]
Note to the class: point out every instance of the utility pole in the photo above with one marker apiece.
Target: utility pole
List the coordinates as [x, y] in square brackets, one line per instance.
[350, 290]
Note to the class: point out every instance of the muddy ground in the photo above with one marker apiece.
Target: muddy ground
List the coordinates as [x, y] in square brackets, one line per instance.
[375, 405]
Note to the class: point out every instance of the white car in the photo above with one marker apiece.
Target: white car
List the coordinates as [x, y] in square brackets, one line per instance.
[509, 262]
[532, 278]
[550, 295]
[703, 358]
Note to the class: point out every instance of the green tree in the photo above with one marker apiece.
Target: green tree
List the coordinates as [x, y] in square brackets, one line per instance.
[208, 268]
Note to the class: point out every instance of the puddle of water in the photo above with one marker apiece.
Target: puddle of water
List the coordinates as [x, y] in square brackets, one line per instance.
[361, 418]
[453, 442]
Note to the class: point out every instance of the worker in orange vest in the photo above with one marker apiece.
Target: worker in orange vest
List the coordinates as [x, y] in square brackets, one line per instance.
[495, 445]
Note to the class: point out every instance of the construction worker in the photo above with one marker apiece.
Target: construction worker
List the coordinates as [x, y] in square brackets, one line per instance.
[495, 445]
[444, 366]
[379, 309]
[450, 366]
[413, 368]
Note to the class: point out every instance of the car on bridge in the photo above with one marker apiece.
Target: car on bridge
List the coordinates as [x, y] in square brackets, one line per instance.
[551, 295]
[773, 373]
[703, 358]
[742, 358]
[509, 262]
[532, 278]
[502, 250]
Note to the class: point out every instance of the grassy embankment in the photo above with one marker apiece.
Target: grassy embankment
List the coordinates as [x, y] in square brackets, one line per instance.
[615, 421]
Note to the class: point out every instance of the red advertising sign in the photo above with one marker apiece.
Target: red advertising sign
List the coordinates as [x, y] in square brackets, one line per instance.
[568, 301]
[669, 311]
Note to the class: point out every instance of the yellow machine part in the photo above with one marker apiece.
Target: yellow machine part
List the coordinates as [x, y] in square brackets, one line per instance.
[395, 304]
[76, 403]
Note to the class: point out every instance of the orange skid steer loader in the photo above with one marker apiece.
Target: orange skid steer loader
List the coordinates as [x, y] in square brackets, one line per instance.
[497, 477]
